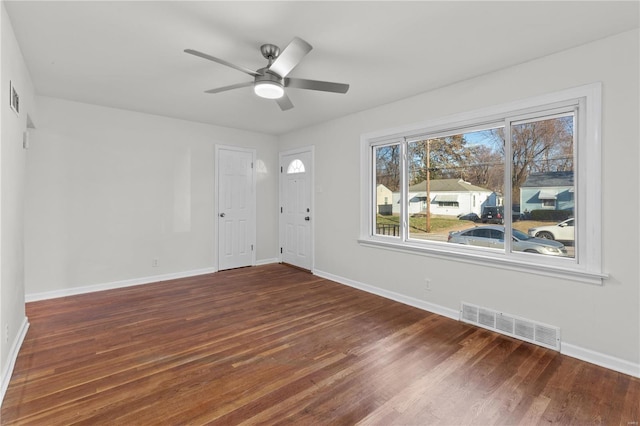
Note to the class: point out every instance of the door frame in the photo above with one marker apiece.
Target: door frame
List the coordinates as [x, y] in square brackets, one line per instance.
[216, 208]
[312, 200]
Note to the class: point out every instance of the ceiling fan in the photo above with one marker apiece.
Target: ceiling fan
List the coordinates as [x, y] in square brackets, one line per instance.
[269, 82]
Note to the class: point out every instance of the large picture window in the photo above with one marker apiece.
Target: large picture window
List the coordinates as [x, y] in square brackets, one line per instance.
[507, 185]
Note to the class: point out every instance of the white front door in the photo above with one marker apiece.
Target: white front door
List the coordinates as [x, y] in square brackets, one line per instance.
[236, 207]
[296, 215]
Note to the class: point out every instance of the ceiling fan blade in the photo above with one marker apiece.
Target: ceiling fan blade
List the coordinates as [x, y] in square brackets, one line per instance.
[290, 57]
[284, 102]
[221, 61]
[323, 86]
[231, 87]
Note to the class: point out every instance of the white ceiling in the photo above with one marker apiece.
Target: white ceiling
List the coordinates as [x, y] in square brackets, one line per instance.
[130, 55]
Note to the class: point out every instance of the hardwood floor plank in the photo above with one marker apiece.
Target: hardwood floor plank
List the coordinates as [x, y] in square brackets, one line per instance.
[276, 345]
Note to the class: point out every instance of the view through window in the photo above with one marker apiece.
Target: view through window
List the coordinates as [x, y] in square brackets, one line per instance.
[451, 188]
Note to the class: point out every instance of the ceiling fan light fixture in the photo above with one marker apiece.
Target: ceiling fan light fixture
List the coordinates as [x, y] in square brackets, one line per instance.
[268, 89]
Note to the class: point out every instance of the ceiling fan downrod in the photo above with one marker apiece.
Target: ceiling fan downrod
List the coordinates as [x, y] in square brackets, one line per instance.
[270, 52]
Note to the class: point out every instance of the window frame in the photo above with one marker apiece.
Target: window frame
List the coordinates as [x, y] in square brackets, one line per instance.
[587, 264]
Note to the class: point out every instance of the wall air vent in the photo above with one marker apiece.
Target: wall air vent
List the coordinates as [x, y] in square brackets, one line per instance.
[511, 325]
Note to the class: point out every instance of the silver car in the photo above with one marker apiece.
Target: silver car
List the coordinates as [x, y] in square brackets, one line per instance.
[493, 236]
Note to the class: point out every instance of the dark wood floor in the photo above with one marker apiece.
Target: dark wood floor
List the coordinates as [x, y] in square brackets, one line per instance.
[275, 345]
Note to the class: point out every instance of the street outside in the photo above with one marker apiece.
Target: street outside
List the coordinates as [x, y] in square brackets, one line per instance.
[523, 226]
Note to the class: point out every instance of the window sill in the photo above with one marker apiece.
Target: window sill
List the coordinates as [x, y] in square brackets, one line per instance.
[486, 259]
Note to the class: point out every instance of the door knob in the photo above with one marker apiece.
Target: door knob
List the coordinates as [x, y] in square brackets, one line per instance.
[307, 218]
[222, 214]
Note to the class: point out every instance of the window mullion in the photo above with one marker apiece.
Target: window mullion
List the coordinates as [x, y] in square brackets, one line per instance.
[372, 192]
[404, 191]
[579, 190]
[508, 202]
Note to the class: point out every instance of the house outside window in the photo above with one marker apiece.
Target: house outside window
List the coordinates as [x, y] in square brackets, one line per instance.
[523, 156]
[553, 189]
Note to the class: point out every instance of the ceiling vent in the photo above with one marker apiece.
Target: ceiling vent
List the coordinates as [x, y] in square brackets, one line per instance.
[511, 325]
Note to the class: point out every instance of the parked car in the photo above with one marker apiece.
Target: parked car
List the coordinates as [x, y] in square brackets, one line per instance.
[515, 216]
[492, 214]
[493, 236]
[563, 231]
[469, 216]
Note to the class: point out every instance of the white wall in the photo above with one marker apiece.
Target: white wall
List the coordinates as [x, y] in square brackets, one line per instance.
[109, 190]
[12, 167]
[592, 318]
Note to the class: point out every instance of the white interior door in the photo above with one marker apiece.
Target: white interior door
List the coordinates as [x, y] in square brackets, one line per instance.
[236, 207]
[296, 215]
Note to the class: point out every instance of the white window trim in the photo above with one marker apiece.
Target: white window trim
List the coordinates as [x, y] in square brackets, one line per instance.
[587, 266]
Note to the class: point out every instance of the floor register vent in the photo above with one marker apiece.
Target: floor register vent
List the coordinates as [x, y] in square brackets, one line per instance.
[511, 325]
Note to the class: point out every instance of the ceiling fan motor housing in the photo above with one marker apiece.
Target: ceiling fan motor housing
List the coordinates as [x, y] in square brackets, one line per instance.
[264, 74]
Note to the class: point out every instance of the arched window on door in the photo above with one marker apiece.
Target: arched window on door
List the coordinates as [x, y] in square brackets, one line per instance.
[296, 166]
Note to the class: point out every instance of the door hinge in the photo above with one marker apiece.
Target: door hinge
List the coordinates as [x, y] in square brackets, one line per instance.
[280, 250]
[252, 164]
[280, 209]
[251, 247]
[281, 169]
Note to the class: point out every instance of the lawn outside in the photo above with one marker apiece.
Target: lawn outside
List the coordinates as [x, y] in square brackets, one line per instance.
[442, 225]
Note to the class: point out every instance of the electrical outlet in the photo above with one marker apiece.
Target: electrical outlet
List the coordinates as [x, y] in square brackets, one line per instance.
[427, 284]
[154, 263]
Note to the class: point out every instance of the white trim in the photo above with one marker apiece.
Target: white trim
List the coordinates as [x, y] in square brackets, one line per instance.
[267, 261]
[568, 349]
[12, 357]
[387, 294]
[603, 360]
[587, 264]
[476, 256]
[34, 297]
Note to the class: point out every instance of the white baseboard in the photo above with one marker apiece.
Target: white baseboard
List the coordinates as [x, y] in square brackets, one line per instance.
[33, 297]
[407, 300]
[603, 360]
[13, 356]
[593, 357]
[267, 261]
